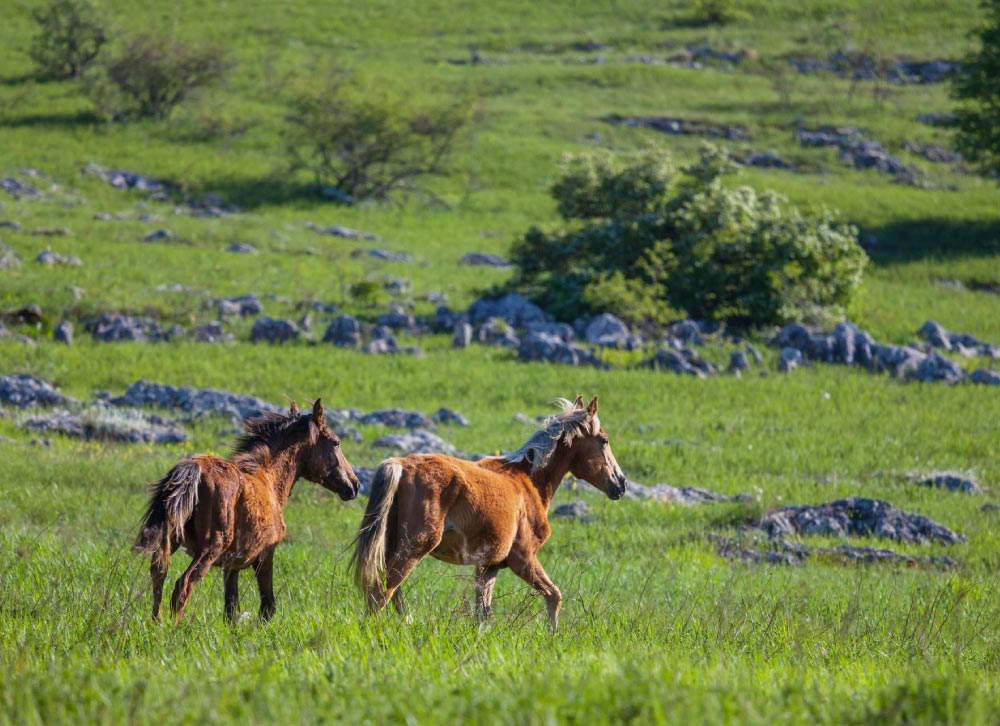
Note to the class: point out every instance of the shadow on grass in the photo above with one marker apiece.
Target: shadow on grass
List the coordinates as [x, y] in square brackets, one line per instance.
[257, 192]
[941, 239]
[68, 120]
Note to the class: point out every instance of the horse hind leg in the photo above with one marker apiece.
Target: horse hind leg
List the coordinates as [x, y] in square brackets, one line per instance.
[231, 580]
[159, 564]
[218, 535]
[407, 553]
[486, 578]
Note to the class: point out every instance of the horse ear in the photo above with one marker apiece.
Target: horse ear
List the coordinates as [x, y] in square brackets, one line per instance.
[293, 410]
[318, 412]
[592, 408]
[579, 402]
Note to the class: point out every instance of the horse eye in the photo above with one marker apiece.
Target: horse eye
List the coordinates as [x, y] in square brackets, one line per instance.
[336, 443]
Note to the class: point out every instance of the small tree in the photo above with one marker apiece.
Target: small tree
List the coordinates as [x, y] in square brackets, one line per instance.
[70, 37]
[652, 242]
[978, 88]
[150, 76]
[362, 143]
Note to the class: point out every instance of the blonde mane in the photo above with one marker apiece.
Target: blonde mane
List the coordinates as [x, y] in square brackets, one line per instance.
[566, 426]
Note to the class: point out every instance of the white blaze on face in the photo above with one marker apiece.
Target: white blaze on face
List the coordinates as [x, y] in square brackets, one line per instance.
[610, 463]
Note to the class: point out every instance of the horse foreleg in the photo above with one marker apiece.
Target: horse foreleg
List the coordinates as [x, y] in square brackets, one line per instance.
[401, 563]
[529, 569]
[158, 566]
[486, 578]
[264, 569]
[231, 580]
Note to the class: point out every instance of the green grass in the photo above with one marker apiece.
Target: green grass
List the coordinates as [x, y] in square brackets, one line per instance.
[656, 626]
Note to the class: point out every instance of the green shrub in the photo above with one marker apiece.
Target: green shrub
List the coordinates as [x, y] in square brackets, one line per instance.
[718, 12]
[70, 37]
[978, 87]
[364, 141]
[652, 242]
[152, 75]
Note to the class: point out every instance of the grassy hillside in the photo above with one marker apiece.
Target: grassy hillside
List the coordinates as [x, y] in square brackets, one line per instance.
[657, 626]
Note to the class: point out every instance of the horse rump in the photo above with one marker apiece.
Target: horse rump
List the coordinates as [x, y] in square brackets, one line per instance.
[171, 505]
[368, 560]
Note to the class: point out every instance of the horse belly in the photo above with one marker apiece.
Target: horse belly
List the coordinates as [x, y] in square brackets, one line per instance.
[460, 547]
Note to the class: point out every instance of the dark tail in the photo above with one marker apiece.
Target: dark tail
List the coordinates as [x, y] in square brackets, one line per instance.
[170, 507]
[368, 559]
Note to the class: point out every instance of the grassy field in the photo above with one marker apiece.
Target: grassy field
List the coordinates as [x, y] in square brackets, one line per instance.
[657, 627]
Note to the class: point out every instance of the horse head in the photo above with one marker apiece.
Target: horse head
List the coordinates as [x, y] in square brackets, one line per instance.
[324, 460]
[591, 458]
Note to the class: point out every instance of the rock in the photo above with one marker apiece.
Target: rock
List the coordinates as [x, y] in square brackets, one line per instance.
[563, 331]
[678, 495]
[791, 358]
[212, 332]
[194, 400]
[385, 343]
[11, 225]
[608, 331]
[480, 258]
[63, 333]
[513, 308]
[950, 480]
[388, 255]
[365, 475]
[160, 234]
[764, 159]
[397, 319]
[936, 119]
[448, 416]
[779, 552]
[113, 328]
[686, 331]
[242, 305]
[8, 258]
[23, 390]
[985, 377]
[684, 361]
[48, 257]
[755, 354]
[107, 424]
[6, 334]
[337, 230]
[936, 368]
[856, 517]
[933, 153]
[899, 361]
[497, 332]
[990, 507]
[396, 418]
[273, 330]
[851, 345]
[417, 441]
[121, 179]
[463, 335]
[343, 332]
[738, 362]
[794, 335]
[681, 126]
[872, 155]
[242, 248]
[544, 347]
[574, 510]
[935, 334]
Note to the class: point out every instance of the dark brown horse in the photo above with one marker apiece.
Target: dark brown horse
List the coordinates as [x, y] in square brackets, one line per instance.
[229, 512]
[492, 513]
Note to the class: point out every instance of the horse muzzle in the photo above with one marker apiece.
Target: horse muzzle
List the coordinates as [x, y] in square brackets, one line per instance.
[616, 487]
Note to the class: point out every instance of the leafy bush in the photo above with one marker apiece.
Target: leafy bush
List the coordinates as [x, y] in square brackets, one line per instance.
[364, 142]
[653, 242]
[151, 75]
[70, 37]
[978, 87]
[718, 12]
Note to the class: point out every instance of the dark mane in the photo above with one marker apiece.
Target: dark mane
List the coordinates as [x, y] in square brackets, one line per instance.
[263, 432]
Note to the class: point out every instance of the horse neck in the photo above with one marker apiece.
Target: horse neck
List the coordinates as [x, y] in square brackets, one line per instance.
[549, 477]
[284, 467]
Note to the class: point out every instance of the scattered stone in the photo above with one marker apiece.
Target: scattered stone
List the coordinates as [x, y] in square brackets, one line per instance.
[385, 344]
[397, 319]
[242, 248]
[684, 361]
[779, 552]
[574, 510]
[121, 179]
[678, 495]
[549, 348]
[856, 517]
[950, 480]
[738, 362]
[463, 335]
[337, 230]
[63, 333]
[933, 152]
[273, 330]
[306, 322]
[448, 416]
[106, 424]
[198, 401]
[160, 234]
[859, 66]
[397, 418]
[417, 441]
[497, 332]
[764, 159]
[936, 119]
[936, 368]
[6, 334]
[607, 331]
[755, 354]
[513, 308]
[990, 507]
[681, 126]
[19, 189]
[8, 258]
[481, 258]
[23, 390]
[113, 327]
[242, 305]
[791, 358]
[51, 232]
[985, 377]
[11, 225]
[935, 334]
[365, 475]
[212, 332]
[387, 255]
[563, 331]
[48, 257]
[343, 332]
[396, 286]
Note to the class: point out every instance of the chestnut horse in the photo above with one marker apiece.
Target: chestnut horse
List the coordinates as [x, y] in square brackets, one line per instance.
[228, 512]
[492, 513]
